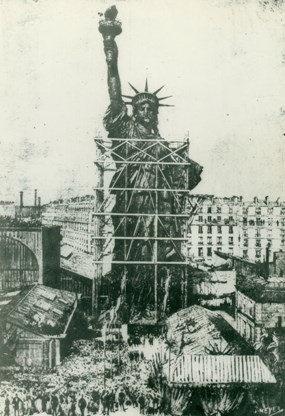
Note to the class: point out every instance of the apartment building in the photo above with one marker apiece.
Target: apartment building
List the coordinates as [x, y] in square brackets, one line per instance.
[215, 227]
[75, 217]
[241, 228]
[260, 306]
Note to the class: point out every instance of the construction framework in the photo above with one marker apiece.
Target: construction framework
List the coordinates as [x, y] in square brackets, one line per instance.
[124, 156]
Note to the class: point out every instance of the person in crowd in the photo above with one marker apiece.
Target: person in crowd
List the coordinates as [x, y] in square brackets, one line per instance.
[112, 399]
[16, 402]
[82, 404]
[7, 406]
[72, 409]
[121, 400]
[105, 402]
[54, 404]
[141, 401]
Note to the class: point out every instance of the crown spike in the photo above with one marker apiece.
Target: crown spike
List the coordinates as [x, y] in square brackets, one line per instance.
[159, 89]
[128, 103]
[135, 90]
[164, 98]
[146, 86]
[166, 105]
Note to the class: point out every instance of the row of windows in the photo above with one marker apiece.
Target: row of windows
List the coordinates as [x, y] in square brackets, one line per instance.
[218, 219]
[261, 222]
[257, 253]
[219, 240]
[218, 210]
[257, 210]
[219, 229]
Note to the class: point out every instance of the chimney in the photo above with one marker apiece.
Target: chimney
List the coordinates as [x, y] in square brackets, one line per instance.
[255, 200]
[21, 199]
[36, 197]
[266, 200]
[39, 201]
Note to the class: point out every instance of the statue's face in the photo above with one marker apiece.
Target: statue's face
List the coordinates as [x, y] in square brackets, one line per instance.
[146, 114]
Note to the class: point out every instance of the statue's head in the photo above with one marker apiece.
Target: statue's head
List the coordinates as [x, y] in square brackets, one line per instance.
[145, 106]
[146, 113]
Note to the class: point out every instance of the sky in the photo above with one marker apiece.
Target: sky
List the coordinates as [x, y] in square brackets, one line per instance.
[222, 61]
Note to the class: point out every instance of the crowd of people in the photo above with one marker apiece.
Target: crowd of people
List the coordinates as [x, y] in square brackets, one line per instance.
[91, 380]
[6, 221]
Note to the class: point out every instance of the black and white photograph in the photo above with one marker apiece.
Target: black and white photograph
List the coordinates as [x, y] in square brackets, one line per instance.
[142, 207]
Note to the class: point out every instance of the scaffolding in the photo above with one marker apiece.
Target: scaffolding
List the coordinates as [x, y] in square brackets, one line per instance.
[118, 160]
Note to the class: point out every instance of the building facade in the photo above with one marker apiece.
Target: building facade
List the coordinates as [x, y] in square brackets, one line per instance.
[249, 229]
[260, 310]
[75, 217]
[7, 209]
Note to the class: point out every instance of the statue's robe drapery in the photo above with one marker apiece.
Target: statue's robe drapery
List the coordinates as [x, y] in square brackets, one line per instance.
[144, 173]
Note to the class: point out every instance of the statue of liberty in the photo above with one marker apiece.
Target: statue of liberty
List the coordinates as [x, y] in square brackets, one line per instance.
[148, 177]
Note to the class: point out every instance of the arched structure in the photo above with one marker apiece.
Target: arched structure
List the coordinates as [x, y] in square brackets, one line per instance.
[29, 255]
[18, 264]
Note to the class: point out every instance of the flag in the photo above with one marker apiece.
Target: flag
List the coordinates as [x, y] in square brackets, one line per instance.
[104, 333]
[166, 290]
[123, 283]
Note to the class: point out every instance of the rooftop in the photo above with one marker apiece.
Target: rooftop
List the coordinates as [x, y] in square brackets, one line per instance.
[201, 331]
[38, 309]
[77, 262]
[261, 290]
[220, 369]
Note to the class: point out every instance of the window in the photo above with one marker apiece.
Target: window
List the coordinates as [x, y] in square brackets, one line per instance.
[200, 240]
[219, 240]
[209, 240]
[200, 219]
[219, 229]
[200, 251]
[245, 253]
[270, 210]
[219, 218]
[209, 210]
[244, 220]
[230, 210]
[231, 218]
[231, 241]
[209, 229]
[270, 221]
[258, 243]
[209, 219]
[200, 229]
[245, 241]
[219, 210]
[209, 251]
[231, 230]
[258, 253]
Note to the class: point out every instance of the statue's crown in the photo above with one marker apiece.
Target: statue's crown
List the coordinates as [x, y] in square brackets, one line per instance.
[146, 96]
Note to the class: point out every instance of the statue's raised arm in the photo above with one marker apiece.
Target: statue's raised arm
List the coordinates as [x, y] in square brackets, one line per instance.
[109, 27]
